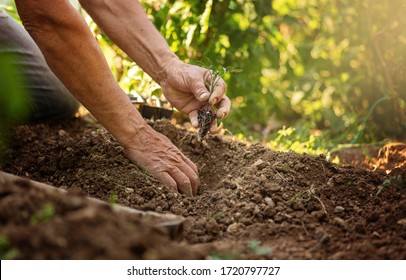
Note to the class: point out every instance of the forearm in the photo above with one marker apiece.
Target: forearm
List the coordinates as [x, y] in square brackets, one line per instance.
[75, 57]
[126, 23]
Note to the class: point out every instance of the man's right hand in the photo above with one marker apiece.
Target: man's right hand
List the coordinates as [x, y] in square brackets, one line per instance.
[184, 87]
[156, 154]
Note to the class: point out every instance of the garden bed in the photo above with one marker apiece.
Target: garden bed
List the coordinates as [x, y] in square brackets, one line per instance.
[253, 203]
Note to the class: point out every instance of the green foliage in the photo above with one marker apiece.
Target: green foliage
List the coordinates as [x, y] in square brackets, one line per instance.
[12, 94]
[216, 73]
[10, 7]
[46, 213]
[299, 140]
[13, 98]
[7, 252]
[314, 65]
[318, 62]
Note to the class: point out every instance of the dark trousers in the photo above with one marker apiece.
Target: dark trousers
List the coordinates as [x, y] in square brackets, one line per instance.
[48, 98]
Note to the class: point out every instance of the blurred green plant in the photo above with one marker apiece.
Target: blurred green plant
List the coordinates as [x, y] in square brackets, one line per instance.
[322, 63]
[46, 213]
[313, 65]
[13, 98]
[12, 94]
[10, 7]
[7, 252]
[300, 141]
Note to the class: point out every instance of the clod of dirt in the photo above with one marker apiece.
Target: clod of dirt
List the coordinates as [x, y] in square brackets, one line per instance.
[40, 223]
[205, 120]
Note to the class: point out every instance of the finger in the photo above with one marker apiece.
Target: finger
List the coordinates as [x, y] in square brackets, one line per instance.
[166, 179]
[223, 107]
[199, 89]
[193, 118]
[192, 175]
[190, 163]
[218, 92]
[216, 128]
[182, 181]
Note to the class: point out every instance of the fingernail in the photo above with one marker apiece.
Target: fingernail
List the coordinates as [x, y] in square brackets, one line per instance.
[214, 101]
[194, 122]
[204, 96]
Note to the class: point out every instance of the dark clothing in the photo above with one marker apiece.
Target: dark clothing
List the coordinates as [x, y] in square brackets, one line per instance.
[49, 99]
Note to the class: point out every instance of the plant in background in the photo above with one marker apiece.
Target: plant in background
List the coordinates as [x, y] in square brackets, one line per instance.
[13, 98]
[301, 140]
[323, 63]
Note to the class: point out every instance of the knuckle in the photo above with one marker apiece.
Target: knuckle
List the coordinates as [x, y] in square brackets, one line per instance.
[172, 185]
[195, 180]
[184, 182]
[193, 177]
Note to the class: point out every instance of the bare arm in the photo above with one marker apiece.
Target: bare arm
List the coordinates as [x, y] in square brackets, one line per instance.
[75, 57]
[126, 23]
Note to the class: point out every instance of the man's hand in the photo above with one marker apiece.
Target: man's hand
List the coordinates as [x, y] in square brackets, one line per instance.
[184, 87]
[182, 84]
[156, 153]
[56, 27]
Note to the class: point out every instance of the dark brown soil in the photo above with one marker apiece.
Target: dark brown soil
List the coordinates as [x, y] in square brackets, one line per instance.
[253, 203]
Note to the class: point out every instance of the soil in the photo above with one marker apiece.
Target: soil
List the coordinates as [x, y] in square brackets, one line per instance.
[253, 203]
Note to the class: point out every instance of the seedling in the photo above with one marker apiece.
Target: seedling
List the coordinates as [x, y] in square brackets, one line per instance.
[207, 115]
[216, 216]
[113, 198]
[43, 215]
[307, 195]
[399, 180]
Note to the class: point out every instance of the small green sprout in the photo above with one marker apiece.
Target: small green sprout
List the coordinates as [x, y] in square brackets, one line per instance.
[45, 214]
[207, 115]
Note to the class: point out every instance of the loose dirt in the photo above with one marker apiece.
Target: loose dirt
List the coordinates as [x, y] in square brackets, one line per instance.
[253, 203]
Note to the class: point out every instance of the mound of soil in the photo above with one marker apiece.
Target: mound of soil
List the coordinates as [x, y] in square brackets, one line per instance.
[42, 223]
[389, 158]
[253, 203]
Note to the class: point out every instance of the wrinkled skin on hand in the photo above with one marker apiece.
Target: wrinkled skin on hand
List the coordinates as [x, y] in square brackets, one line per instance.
[184, 87]
[160, 158]
[56, 27]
